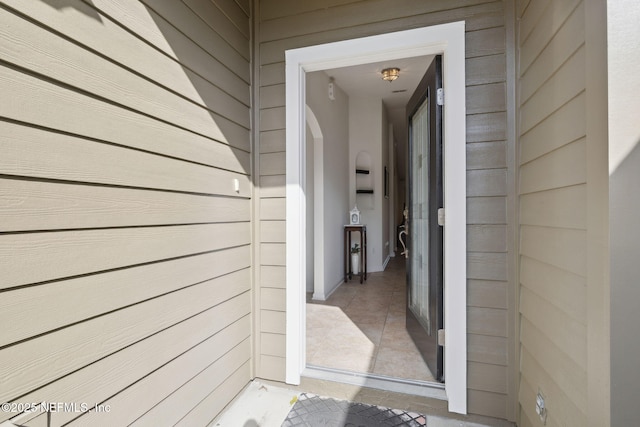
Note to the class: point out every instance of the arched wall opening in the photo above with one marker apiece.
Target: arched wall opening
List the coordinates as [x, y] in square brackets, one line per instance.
[315, 206]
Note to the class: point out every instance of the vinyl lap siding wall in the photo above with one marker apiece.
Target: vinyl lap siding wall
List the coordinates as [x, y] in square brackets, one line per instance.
[553, 210]
[292, 24]
[124, 248]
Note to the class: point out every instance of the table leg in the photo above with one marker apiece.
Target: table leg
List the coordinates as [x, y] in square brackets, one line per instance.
[349, 255]
[346, 257]
[364, 270]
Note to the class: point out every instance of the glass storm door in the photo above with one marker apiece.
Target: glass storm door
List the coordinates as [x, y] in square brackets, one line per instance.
[424, 261]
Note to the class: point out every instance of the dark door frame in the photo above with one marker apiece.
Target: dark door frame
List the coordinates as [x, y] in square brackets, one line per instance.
[424, 336]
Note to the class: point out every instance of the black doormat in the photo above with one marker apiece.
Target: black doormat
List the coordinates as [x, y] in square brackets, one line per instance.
[314, 411]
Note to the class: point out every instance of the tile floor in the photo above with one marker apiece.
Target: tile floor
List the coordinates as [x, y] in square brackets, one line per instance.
[361, 328]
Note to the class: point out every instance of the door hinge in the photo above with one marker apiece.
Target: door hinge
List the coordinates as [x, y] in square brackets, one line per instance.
[440, 96]
[441, 337]
[441, 217]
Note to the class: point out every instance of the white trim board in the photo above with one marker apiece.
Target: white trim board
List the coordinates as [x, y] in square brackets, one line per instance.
[446, 39]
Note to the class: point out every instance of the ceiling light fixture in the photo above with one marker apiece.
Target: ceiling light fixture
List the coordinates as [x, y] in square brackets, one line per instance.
[390, 74]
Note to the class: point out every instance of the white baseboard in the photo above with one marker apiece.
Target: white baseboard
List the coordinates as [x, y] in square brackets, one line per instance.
[317, 297]
[386, 261]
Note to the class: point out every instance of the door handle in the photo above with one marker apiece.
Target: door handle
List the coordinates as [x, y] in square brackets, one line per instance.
[405, 252]
[405, 228]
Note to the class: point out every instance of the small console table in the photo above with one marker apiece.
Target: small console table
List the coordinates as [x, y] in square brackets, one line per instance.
[348, 229]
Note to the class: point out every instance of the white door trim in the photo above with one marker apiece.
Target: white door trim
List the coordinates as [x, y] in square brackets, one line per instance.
[446, 39]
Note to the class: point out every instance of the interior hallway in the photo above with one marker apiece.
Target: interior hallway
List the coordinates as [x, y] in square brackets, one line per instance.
[361, 328]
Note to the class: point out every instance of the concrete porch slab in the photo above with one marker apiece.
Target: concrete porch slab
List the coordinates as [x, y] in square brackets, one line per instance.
[265, 403]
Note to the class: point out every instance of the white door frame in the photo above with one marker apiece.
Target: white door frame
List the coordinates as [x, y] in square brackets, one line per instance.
[446, 39]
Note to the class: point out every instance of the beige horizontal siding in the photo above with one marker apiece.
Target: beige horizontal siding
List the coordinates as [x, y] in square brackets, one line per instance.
[488, 98]
[486, 69]
[189, 378]
[273, 231]
[36, 362]
[216, 15]
[38, 205]
[487, 127]
[488, 349]
[560, 247]
[273, 322]
[488, 403]
[78, 22]
[125, 248]
[569, 413]
[553, 133]
[487, 238]
[563, 86]
[126, 366]
[37, 153]
[37, 257]
[270, 9]
[487, 155]
[273, 276]
[352, 15]
[561, 288]
[272, 366]
[488, 293]
[486, 210]
[60, 58]
[485, 42]
[272, 209]
[215, 402]
[272, 141]
[486, 183]
[553, 211]
[272, 186]
[544, 26]
[30, 310]
[89, 117]
[571, 378]
[563, 207]
[286, 25]
[568, 39]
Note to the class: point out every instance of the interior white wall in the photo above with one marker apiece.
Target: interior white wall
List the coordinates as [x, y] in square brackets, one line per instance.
[365, 134]
[392, 193]
[384, 155]
[624, 205]
[332, 116]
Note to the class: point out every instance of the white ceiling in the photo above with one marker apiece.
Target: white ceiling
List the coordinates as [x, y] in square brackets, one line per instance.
[366, 81]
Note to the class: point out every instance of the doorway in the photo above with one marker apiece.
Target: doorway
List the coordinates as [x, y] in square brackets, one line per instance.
[447, 39]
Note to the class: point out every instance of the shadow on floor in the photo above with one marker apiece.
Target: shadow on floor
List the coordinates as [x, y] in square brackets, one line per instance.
[361, 328]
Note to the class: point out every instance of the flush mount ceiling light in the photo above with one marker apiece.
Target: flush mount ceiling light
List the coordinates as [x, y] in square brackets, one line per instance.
[390, 74]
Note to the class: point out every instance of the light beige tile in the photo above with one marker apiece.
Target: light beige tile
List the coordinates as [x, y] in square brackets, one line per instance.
[361, 328]
[350, 359]
[402, 364]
